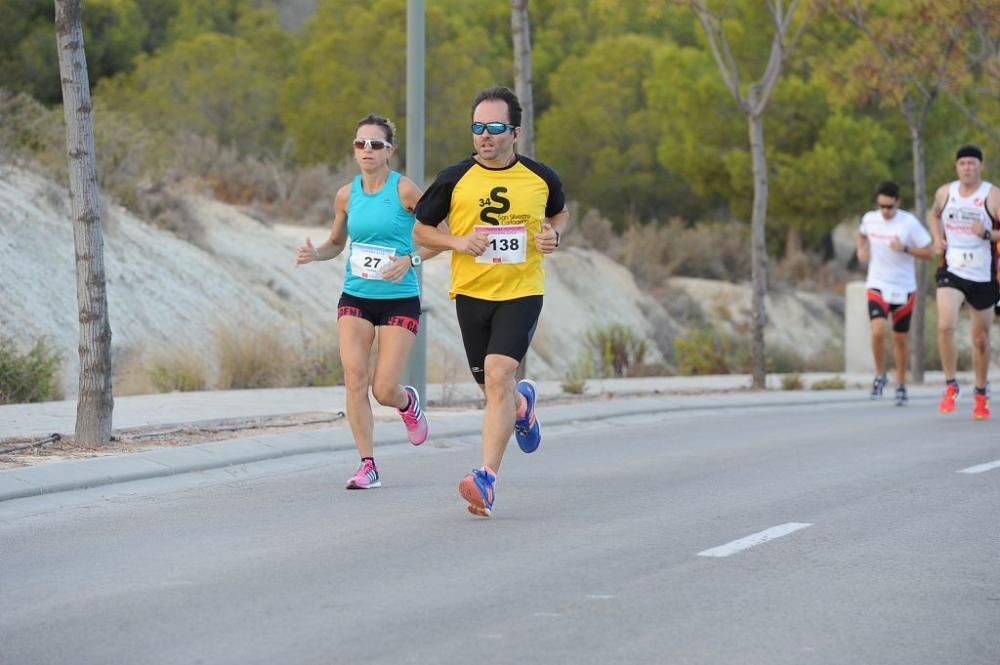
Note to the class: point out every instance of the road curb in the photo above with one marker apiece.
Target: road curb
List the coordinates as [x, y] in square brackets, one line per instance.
[25, 482]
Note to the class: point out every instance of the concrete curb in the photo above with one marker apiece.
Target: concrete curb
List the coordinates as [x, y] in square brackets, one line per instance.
[95, 472]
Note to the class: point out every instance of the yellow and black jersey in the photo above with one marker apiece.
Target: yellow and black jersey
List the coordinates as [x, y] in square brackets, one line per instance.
[471, 195]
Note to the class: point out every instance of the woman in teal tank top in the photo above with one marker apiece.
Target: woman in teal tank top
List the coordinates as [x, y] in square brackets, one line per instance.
[380, 290]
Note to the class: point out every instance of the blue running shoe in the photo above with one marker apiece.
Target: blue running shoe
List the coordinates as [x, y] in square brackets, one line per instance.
[477, 489]
[526, 430]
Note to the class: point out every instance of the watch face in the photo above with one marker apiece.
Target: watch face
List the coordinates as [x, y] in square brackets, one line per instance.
[415, 259]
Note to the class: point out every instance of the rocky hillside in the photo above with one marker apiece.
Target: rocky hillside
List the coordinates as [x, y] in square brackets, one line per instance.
[165, 292]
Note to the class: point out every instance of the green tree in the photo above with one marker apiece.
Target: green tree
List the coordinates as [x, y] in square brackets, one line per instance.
[601, 134]
[213, 84]
[196, 17]
[113, 30]
[341, 75]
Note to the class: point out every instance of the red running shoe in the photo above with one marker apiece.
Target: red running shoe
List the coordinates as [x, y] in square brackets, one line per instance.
[947, 404]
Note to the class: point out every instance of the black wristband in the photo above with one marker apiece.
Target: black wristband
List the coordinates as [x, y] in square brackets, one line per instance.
[987, 235]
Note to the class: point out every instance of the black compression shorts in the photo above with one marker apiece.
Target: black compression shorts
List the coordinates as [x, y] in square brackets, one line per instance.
[402, 312]
[503, 327]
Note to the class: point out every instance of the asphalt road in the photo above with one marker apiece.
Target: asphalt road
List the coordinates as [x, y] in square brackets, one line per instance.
[826, 534]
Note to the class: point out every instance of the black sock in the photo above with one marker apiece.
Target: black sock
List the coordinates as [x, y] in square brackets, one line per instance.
[409, 402]
[363, 459]
[980, 391]
[951, 382]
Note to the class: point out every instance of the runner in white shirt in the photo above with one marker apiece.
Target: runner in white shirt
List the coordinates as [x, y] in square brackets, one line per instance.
[888, 240]
[965, 229]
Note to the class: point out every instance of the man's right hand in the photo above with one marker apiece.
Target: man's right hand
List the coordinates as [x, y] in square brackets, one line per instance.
[473, 244]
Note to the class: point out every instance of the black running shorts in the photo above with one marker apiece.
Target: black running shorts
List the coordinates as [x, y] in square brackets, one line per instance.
[503, 327]
[979, 295]
[402, 312]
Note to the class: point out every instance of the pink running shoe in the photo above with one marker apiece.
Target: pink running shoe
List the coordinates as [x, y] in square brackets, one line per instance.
[414, 418]
[366, 477]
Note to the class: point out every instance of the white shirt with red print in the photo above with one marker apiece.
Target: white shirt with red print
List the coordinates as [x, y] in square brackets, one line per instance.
[892, 272]
[968, 255]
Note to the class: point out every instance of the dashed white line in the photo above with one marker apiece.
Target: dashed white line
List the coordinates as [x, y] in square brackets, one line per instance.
[754, 539]
[979, 468]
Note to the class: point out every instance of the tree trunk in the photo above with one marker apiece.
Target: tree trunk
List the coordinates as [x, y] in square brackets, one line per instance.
[521, 29]
[793, 242]
[920, 209]
[94, 402]
[758, 245]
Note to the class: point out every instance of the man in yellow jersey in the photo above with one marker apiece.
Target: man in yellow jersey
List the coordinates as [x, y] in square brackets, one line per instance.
[504, 213]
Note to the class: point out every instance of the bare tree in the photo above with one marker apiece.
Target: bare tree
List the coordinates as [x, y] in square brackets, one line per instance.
[521, 36]
[95, 402]
[753, 103]
[912, 77]
[521, 31]
[979, 44]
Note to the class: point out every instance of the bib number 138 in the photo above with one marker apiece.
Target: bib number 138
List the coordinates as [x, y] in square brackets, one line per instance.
[504, 244]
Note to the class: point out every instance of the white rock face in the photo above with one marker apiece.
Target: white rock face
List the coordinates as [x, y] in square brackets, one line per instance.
[800, 322]
[164, 292]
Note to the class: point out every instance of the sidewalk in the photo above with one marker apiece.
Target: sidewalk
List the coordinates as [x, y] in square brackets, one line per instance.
[604, 398]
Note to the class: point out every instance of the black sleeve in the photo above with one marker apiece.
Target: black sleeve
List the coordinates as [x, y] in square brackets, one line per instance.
[557, 199]
[435, 204]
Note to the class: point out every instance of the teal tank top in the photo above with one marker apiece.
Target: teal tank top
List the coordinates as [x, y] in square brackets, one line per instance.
[377, 224]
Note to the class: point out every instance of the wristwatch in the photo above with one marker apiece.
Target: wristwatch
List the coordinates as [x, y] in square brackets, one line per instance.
[415, 259]
[987, 234]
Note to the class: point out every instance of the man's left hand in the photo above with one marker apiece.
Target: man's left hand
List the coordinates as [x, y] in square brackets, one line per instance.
[546, 241]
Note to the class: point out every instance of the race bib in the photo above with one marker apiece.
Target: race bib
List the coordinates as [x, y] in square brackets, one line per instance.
[894, 296]
[968, 258]
[504, 244]
[369, 261]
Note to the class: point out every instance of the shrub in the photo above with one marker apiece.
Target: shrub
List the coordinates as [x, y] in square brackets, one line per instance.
[615, 349]
[31, 376]
[178, 372]
[575, 380]
[792, 382]
[833, 383]
[654, 252]
[316, 363]
[703, 350]
[251, 358]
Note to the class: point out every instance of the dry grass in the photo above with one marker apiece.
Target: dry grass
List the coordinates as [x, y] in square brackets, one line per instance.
[244, 358]
[170, 369]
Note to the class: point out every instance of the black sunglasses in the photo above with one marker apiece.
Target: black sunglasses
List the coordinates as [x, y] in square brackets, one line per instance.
[493, 128]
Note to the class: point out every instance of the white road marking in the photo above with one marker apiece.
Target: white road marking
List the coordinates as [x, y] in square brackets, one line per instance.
[599, 596]
[754, 539]
[979, 468]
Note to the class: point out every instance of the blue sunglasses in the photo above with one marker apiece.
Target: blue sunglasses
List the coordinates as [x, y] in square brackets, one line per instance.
[493, 128]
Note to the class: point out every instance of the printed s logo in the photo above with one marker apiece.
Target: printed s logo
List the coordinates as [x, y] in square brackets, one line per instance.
[496, 196]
